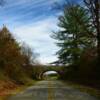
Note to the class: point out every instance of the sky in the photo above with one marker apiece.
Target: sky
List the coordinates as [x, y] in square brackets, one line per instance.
[50, 72]
[32, 22]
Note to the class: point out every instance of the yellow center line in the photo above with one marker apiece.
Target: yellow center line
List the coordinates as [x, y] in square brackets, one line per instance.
[50, 91]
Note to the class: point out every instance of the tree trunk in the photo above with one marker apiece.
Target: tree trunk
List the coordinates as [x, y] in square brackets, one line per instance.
[97, 8]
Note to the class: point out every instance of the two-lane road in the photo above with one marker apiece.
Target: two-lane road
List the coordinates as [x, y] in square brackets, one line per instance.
[51, 90]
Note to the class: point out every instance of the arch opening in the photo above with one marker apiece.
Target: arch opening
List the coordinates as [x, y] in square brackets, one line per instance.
[50, 75]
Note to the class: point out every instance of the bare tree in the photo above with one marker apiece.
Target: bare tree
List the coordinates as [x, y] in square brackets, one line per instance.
[29, 54]
[93, 7]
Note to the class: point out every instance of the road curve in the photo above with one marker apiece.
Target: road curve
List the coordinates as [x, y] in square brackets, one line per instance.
[51, 90]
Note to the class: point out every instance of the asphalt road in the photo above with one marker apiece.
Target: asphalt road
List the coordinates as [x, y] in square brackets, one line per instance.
[51, 90]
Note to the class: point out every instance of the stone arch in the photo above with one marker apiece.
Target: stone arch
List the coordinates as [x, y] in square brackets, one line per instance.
[50, 75]
[41, 74]
[44, 68]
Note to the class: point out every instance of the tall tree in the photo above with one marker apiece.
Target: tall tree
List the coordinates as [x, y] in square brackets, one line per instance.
[93, 7]
[15, 62]
[74, 35]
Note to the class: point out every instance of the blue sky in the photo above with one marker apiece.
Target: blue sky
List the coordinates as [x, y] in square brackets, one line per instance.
[32, 22]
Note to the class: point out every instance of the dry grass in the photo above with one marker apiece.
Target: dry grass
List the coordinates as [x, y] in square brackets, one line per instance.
[92, 91]
[8, 88]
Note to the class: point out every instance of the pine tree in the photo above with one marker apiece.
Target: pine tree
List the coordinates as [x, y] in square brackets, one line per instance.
[75, 34]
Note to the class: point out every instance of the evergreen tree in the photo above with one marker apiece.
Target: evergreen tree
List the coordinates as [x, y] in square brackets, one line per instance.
[74, 34]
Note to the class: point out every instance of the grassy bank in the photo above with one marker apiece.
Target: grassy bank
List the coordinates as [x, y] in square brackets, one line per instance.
[92, 91]
[9, 88]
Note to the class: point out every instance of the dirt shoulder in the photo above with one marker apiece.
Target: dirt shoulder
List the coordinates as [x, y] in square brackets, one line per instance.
[90, 90]
[8, 88]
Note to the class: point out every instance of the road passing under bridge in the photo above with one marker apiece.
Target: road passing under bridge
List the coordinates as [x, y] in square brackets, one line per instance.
[51, 90]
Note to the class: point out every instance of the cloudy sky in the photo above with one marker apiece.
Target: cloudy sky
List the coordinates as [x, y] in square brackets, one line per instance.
[32, 22]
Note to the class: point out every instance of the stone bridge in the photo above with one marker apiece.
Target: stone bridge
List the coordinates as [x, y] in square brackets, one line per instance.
[44, 68]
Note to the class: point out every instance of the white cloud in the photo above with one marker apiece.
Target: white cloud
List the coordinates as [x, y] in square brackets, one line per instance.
[32, 21]
[37, 35]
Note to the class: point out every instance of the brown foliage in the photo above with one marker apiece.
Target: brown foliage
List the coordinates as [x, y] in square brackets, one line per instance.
[14, 64]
